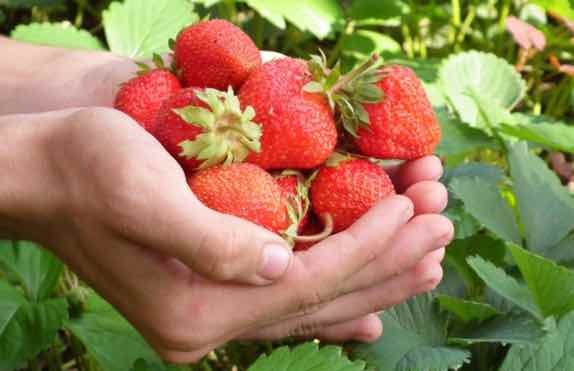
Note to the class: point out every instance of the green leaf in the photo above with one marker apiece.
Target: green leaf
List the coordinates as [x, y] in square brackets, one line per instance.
[465, 225]
[34, 267]
[316, 16]
[372, 11]
[482, 73]
[460, 139]
[509, 329]
[504, 285]
[483, 201]
[26, 328]
[466, 310]
[62, 34]
[109, 338]
[306, 357]
[139, 28]
[363, 43]
[545, 206]
[561, 7]
[551, 134]
[555, 352]
[551, 285]
[414, 339]
[481, 245]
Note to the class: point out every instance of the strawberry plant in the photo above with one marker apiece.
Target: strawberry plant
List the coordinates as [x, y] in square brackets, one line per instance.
[498, 77]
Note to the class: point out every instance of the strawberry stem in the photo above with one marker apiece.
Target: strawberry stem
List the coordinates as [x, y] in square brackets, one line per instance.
[345, 80]
[326, 232]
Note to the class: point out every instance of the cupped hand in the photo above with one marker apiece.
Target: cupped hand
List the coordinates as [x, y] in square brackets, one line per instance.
[190, 279]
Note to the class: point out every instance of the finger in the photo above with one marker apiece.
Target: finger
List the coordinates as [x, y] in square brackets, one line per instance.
[423, 277]
[217, 246]
[421, 236]
[409, 173]
[366, 329]
[429, 197]
[317, 275]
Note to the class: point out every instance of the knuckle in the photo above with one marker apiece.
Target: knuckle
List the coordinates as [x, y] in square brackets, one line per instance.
[309, 302]
[430, 277]
[219, 254]
[305, 329]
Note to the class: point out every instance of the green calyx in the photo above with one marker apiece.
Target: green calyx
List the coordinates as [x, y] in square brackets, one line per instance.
[157, 63]
[298, 205]
[229, 134]
[347, 93]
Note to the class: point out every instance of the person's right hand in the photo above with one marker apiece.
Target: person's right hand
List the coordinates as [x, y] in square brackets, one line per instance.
[103, 194]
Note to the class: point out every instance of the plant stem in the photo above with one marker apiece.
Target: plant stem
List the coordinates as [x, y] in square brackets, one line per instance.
[336, 51]
[466, 26]
[455, 5]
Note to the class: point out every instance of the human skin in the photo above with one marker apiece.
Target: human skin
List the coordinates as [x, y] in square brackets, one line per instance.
[101, 193]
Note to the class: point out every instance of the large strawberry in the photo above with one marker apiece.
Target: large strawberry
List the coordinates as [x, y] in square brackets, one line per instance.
[403, 125]
[142, 96]
[384, 108]
[298, 127]
[215, 54]
[203, 127]
[346, 188]
[244, 190]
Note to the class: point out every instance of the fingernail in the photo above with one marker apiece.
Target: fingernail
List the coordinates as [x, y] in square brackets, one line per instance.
[275, 262]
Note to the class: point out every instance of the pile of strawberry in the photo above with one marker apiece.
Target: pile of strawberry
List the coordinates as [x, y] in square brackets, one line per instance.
[296, 150]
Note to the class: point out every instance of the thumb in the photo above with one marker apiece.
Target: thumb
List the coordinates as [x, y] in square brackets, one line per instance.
[231, 248]
[217, 246]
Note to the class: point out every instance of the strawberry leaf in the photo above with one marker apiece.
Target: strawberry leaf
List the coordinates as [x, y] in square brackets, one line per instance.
[62, 35]
[414, 339]
[307, 357]
[505, 285]
[139, 28]
[552, 286]
[482, 74]
[466, 310]
[552, 353]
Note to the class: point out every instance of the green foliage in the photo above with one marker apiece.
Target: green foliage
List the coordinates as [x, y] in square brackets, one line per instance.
[306, 357]
[140, 28]
[415, 339]
[56, 34]
[514, 217]
[110, 339]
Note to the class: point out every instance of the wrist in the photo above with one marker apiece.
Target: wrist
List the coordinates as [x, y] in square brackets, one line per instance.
[29, 191]
[58, 78]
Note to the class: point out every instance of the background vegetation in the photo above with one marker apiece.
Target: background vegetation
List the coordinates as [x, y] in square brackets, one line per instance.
[499, 74]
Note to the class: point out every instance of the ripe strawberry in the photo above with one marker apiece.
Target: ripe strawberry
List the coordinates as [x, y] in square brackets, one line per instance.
[347, 188]
[201, 128]
[298, 128]
[244, 190]
[403, 125]
[385, 109]
[142, 96]
[215, 54]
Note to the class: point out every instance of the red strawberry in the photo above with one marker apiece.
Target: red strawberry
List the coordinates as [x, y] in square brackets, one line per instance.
[298, 127]
[347, 188]
[403, 125]
[142, 96]
[205, 127]
[244, 190]
[215, 54]
[385, 109]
